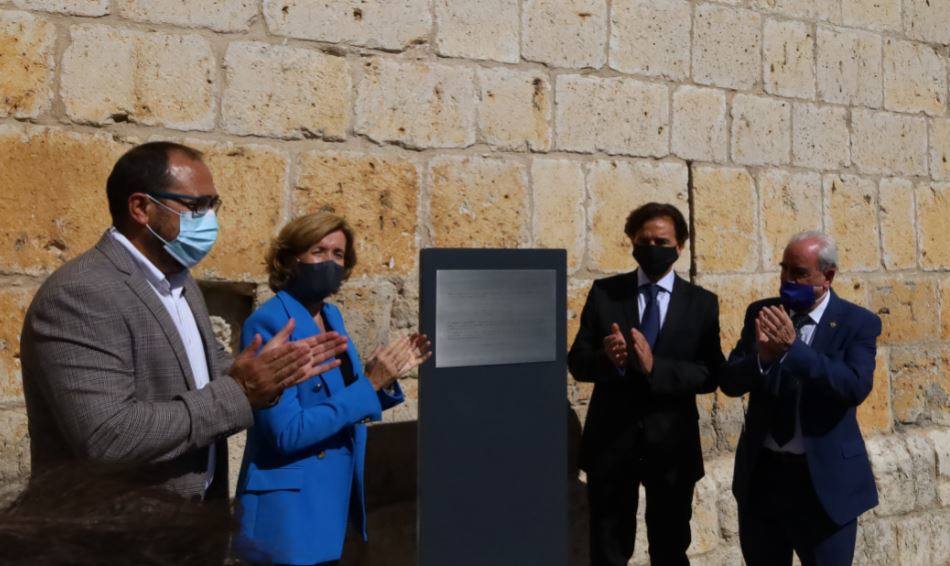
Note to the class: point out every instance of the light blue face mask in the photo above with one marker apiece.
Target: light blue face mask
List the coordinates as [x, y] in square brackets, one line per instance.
[196, 236]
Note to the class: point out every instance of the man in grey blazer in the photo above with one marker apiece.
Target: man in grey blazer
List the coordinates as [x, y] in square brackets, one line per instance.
[121, 371]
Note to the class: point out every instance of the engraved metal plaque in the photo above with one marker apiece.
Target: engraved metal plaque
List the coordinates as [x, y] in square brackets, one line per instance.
[491, 317]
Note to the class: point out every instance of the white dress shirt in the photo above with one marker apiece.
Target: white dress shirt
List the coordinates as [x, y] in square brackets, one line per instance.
[170, 291]
[662, 297]
[806, 333]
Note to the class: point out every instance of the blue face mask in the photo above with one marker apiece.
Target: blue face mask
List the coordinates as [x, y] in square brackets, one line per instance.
[196, 236]
[797, 297]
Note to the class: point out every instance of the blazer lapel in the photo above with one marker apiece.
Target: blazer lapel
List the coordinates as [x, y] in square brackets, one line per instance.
[828, 325]
[203, 321]
[675, 313]
[631, 312]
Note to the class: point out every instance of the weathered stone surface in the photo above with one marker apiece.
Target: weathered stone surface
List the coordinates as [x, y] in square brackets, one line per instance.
[933, 210]
[726, 46]
[558, 221]
[915, 78]
[379, 197]
[914, 540]
[27, 45]
[478, 199]
[616, 187]
[699, 124]
[790, 203]
[761, 130]
[820, 137]
[941, 442]
[367, 310]
[821, 10]
[789, 66]
[564, 33]
[371, 23]
[851, 217]
[114, 74]
[888, 144]
[577, 290]
[876, 543]
[872, 14]
[945, 308]
[874, 414]
[923, 457]
[478, 29]
[13, 304]
[940, 149]
[252, 182]
[906, 308]
[71, 7]
[724, 203]
[927, 20]
[704, 524]
[736, 293]
[14, 444]
[514, 110]
[893, 474]
[614, 115]
[940, 391]
[898, 234]
[55, 202]
[219, 15]
[720, 470]
[852, 287]
[651, 37]
[729, 418]
[849, 66]
[286, 92]
[940, 549]
[417, 104]
[913, 374]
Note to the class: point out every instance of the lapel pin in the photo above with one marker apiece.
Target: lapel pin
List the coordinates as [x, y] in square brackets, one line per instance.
[833, 324]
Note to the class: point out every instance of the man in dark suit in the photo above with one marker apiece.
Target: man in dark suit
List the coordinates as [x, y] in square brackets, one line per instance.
[649, 341]
[806, 359]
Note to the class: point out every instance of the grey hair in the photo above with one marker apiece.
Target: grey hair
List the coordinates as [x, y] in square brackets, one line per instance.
[827, 247]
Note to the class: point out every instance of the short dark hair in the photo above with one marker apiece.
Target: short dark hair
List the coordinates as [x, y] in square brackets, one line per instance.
[643, 214]
[142, 169]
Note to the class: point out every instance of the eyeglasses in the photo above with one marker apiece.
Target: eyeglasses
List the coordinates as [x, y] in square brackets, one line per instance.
[199, 206]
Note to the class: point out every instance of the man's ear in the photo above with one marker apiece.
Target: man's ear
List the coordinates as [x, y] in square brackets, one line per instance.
[830, 275]
[138, 208]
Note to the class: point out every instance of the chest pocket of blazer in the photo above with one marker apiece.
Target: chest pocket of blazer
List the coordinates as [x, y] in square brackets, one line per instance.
[274, 479]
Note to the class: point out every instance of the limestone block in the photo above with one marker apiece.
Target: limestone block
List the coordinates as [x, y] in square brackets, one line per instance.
[789, 51]
[790, 203]
[383, 24]
[558, 219]
[915, 78]
[725, 220]
[906, 308]
[14, 444]
[71, 7]
[285, 92]
[945, 308]
[699, 124]
[933, 210]
[821, 10]
[914, 541]
[616, 188]
[157, 79]
[874, 414]
[849, 66]
[478, 202]
[27, 45]
[704, 524]
[514, 110]
[726, 46]
[564, 33]
[651, 37]
[820, 137]
[873, 146]
[922, 455]
[940, 149]
[898, 216]
[736, 293]
[417, 104]
[927, 20]
[367, 309]
[761, 130]
[54, 204]
[879, 15]
[614, 115]
[876, 543]
[941, 442]
[379, 197]
[477, 29]
[913, 376]
[893, 474]
[218, 15]
[13, 304]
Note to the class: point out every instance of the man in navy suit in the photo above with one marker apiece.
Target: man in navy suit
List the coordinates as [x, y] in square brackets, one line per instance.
[806, 359]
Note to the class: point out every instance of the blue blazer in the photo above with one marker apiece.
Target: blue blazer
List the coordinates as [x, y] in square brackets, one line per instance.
[836, 374]
[305, 454]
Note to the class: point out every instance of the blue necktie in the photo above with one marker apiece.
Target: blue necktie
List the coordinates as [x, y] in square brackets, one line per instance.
[650, 323]
[786, 406]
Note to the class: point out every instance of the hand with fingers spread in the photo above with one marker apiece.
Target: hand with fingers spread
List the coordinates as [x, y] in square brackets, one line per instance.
[323, 347]
[394, 360]
[775, 334]
[616, 346]
[643, 351]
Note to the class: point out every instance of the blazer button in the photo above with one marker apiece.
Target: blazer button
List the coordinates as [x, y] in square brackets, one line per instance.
[322, 454]
[318, 386]
[367, 420]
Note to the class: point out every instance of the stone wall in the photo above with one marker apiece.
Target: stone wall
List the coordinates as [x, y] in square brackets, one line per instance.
[531, 123]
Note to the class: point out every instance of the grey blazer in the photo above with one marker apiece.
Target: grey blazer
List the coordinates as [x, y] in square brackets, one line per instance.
[107, 380]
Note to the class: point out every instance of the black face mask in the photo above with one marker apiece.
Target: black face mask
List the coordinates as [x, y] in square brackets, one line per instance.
[314, 282]
[654, 260]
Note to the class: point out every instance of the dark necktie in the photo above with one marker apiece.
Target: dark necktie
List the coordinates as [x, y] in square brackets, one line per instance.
[650, 323]
[786, 406]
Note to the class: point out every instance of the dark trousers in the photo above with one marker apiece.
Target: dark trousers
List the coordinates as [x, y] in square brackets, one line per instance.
[613, 500]
[785, 515]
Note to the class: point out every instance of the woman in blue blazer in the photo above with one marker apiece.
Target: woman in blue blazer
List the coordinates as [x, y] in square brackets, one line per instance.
[302, 474]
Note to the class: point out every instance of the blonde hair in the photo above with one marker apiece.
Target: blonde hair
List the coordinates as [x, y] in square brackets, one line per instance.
[298, 236]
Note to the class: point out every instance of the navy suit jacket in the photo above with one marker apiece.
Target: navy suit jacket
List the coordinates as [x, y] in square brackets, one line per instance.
[836, 375]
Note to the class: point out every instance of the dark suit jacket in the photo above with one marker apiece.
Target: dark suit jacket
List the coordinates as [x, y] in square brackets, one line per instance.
[836, 374]
[652, 415]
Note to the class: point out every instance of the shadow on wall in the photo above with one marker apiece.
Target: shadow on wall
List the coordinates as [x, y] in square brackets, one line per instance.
[391, 456]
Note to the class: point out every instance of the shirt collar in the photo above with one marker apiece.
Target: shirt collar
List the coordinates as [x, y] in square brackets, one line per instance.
[665, 282]
[165, 284]
[817, 312]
